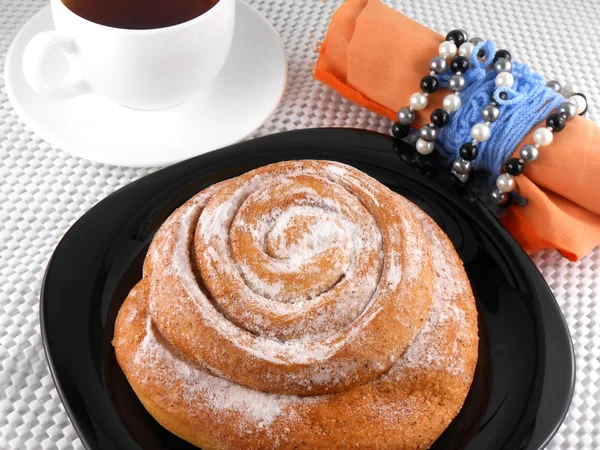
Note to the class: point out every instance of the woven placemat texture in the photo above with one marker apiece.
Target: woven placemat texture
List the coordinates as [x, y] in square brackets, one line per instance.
[44, 190]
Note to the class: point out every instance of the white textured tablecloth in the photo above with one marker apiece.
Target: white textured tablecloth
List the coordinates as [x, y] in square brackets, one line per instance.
[44, 190]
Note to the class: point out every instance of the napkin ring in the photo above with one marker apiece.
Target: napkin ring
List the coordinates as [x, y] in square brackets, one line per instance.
[459, 50]
[543, 136]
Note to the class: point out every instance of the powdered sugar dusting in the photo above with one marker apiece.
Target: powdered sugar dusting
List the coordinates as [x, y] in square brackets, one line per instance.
[197, 386]
[429, 349]
[394, 274]
[321, 235]
[417, 253]
[293, 234]
[338, 170]
[391, 413]
[424, 352]
[323, 337]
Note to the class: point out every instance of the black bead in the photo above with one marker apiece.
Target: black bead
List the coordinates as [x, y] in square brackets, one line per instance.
[459, 64]
[556, 121]
[459, 37]
[502, 95]
[439, 118]
[429, 84]
[514, 166]
[400, 131]
[502, 54]
[468, 151]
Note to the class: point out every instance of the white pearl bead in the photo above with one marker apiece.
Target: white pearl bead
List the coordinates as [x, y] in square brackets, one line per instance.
[505, 182]
[505, 79]
[424, 147]
[543, 137]
[466, 50]
[480, 132]
[447, 49]
[579, 103]
[418, 101]
[452, 103]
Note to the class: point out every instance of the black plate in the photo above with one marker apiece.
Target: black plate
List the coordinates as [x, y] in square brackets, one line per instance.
[525, 375]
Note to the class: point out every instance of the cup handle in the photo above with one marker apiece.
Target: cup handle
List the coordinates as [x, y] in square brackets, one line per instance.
[35, 56]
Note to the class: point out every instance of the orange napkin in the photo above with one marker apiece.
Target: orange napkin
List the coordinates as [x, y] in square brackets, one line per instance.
[376, 56]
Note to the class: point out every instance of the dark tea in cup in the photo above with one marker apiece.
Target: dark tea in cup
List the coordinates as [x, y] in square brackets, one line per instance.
[139, 14]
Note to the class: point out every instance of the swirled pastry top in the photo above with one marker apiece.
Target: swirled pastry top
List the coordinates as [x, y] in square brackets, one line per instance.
[303, 277]
[297, 279]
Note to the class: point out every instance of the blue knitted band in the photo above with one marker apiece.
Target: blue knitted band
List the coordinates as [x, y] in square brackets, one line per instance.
[529, 102]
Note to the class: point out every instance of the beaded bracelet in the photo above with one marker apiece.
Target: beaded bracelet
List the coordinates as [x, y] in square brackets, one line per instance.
[462, 165]
[456, 42]
[543, 136]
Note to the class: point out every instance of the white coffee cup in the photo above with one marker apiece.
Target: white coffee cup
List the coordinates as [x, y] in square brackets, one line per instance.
[142, 69]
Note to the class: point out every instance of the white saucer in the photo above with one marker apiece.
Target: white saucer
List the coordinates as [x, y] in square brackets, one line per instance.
[239, 101]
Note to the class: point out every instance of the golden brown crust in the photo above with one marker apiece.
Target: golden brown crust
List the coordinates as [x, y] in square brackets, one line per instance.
[407, 407]
[226, 300]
